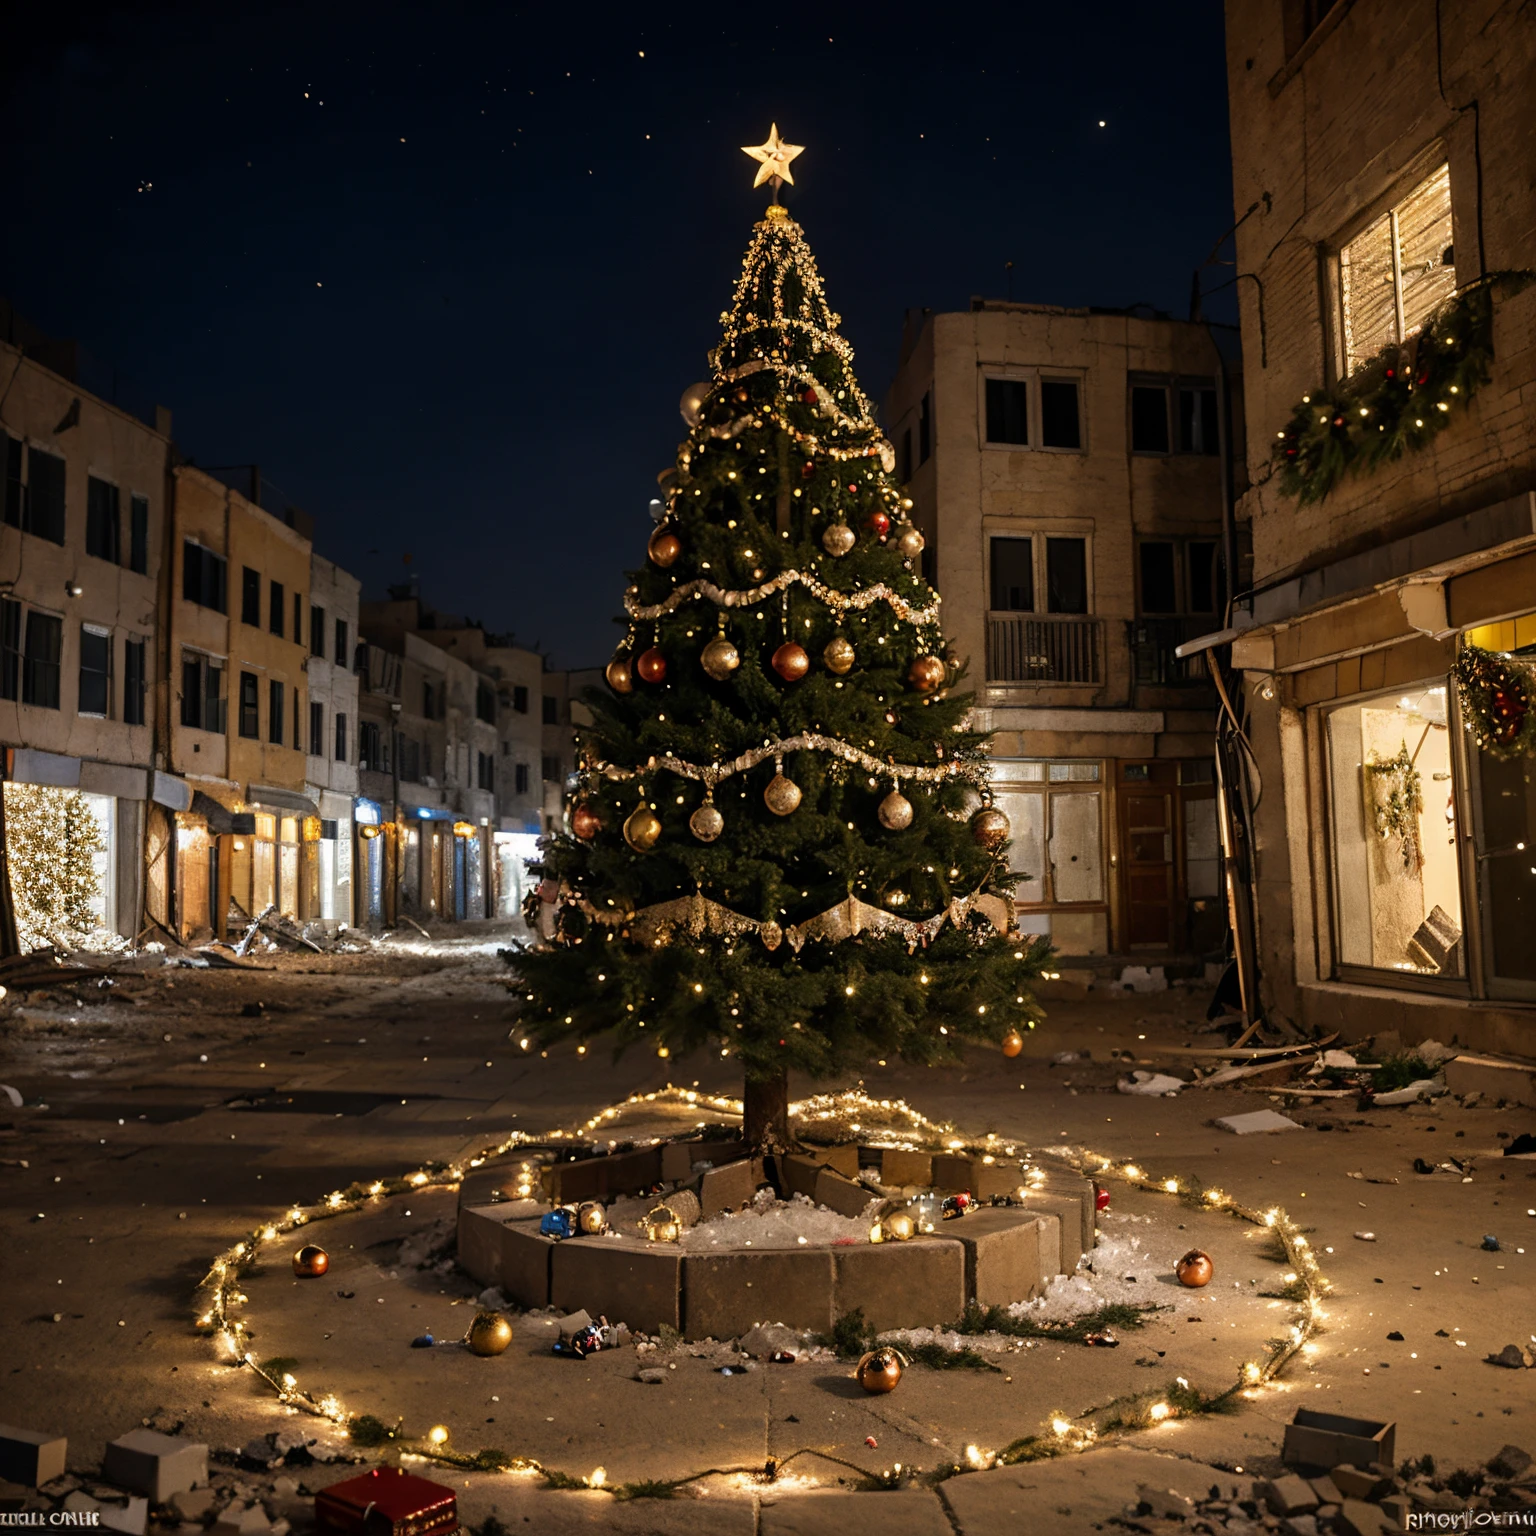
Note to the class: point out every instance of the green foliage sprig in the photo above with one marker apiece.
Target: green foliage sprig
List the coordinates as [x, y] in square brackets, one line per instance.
[1398, 400]
[1498, 701]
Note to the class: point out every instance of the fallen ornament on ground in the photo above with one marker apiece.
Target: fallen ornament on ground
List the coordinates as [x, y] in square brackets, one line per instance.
[879, 1370]
[310, 1262]
[1195, 1269]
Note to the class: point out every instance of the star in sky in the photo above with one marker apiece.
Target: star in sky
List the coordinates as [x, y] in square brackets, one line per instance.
[773, 156]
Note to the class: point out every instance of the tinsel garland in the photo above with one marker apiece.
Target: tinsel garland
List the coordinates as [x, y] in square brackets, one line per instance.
[697, 915]
[839, 602]
[1398, 400]
[1497, 693]
[711, 774]
[1397, 802]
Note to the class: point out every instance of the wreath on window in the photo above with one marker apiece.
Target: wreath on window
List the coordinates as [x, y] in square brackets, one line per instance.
[1399, 400]
[1397, 802]
[1497, 693]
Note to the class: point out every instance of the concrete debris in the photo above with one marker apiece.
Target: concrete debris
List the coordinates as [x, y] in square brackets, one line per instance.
[1151, 1084]
[1366, 1237]
[1424, 1088]
[652, 1376]
[11, 1095]
[765, 1340]
[1514, 1357]
[1257, 1121]
[1510, 1462]
[1141, 978]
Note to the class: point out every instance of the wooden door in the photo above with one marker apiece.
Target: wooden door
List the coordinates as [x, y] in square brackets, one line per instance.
[1148, 861]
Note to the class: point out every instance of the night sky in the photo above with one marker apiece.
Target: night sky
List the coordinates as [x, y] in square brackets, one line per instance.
[444, 271]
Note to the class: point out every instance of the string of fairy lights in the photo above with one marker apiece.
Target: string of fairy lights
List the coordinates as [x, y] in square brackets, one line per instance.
[877, 1121]
[747, 597]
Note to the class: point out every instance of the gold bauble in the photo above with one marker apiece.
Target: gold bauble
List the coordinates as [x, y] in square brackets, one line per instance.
[839, 656]
[990, 828]
[1195, 1269]
[489, 1334]
[839, 539]
[664, 547]
[895, 812]
[782, 795]
[310, 1262]
[1013, 1043]
[899, 1226]
[620, 678]
[879, 1371]
[707, 823]
[662, 1225]
[591, 1218]
[926, 673]
[720, 658]
[910, 542]
[692, 403]
[643, 829]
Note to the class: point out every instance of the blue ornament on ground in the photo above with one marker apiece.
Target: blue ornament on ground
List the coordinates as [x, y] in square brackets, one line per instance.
[555, 1223]
[1491, 1243]
[426, 1341]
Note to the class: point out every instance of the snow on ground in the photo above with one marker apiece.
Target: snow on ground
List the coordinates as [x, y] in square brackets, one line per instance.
[769, 1223]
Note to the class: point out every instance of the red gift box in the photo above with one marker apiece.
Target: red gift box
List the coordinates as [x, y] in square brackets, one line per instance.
[387, 1502]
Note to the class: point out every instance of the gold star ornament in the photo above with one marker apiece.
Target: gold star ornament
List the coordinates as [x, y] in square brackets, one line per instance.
[773, 157]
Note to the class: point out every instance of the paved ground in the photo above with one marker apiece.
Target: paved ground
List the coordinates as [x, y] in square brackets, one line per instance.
[154, 1153]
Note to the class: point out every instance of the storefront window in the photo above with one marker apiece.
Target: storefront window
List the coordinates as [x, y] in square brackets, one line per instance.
[1393, 820]
[1056, 840]
[1507, 858]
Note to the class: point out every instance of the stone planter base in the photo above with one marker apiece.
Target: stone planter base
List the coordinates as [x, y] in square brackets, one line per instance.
[994, 1255]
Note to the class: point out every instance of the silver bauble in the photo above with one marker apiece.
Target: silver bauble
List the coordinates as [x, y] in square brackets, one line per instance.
[909, 542]
[692, 403]
[895, 812]
[838, 539]
[707, 823]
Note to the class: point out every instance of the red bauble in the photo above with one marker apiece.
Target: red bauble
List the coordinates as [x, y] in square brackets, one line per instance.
[808, 394]
[791, 662]
[878, 524]
[651, 665]
[1100, 1198]
[807, 470]
[585, 822]
[1508, 707]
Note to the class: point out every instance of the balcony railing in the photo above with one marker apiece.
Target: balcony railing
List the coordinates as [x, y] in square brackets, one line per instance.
[1039, 648]
[1152, 644]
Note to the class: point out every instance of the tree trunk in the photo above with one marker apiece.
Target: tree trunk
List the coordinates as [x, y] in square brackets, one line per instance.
[765, 1116]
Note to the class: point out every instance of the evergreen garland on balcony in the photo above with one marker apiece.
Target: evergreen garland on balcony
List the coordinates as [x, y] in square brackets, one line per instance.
[1397, 401]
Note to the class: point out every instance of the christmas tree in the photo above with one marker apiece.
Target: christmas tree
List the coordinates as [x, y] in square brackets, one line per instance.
[52, 839]
[782, 844]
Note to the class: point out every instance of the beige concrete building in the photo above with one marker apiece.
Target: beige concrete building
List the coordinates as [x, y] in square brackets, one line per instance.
[82, 541]
[1384, 154]
[1066, 470]
[330, 774]
[237, 657]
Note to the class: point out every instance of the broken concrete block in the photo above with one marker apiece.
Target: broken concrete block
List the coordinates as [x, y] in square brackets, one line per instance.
[1357, 1518]
[511, 1254]
[1290, 1495]
[1298, 1525]
[1396, 1507]
[1326, 1489]
[918, 1284]
[724, 1294]
[1010, 1255]
[1076, 1186]
[155, 1465]
[1359, 1483]
[840, 1194]
[898, 1168]
[1314, 1439]
[193, 1503]
[844, 1157]
[1510, 1462]
[768, 1339]
[1068, 1211]
[30, 1457]
[799, 1174]
[130, 1517]
[242, 1520]
[1257, 1121]
[1164, 1503]
[677, 1161]
[730, 1187]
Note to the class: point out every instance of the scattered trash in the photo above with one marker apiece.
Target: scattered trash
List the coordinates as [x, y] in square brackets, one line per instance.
[1491, 1243]
[1339, 1059]
[1366, 1237]
[1101, 1340]
[1395, 1336]
[1420, 1166]
[871, 1442]
[1151, 1084]
[1140, 978]
[1256, 1121]
[1369, 1178]
[1524, 1145]
[1066, 1058]
[784, 1357]
[11, 1094]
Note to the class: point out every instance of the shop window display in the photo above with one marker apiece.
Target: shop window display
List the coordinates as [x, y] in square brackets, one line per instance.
[1393, 821]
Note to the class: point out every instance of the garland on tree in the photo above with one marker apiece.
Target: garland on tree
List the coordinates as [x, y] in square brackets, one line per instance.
[1497, 692]
[1397, 401]
[52, 839]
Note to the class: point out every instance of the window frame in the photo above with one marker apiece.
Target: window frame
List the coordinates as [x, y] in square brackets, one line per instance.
[250, 596]
[219, 565]
[29, 521]
[1033, 376]
[33, 667]
[1467, 985]
[96, 632]
[1423, 167]
[12, 648]
[106, 520]
[316, 727]
[339, 736]
[342, 659]
[250, 707]
[1039, 532]
[1009, 778]
[135, 679]
[275, 712]
[277, 610]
